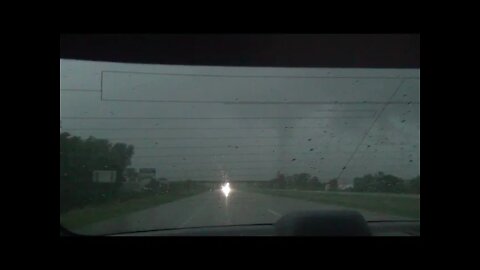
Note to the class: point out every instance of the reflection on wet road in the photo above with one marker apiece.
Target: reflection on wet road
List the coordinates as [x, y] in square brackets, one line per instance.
[211, 209]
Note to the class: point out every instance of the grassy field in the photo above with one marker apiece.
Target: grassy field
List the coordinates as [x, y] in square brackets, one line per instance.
[80, 217]
[402, 205]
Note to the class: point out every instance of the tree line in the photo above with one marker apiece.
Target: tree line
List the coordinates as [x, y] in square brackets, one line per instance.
[378, 182]
[381, 182]
[296, 181]
[79, 158]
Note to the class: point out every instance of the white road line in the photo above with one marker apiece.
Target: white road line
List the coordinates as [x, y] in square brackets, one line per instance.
[195, 213]
[273, 212]
[187, 221]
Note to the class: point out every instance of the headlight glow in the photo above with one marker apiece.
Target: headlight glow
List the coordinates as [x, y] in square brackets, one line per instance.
[226, 189]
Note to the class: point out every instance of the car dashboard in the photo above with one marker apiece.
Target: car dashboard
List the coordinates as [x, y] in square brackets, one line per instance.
[312, 223]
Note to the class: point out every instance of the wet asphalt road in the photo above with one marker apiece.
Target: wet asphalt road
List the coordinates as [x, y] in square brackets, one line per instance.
[211, 209]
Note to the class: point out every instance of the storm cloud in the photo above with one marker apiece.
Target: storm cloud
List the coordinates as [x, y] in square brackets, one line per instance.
[205, 123]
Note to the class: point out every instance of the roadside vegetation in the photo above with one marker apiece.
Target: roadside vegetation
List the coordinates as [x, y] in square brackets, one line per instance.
[381, 193]
[83, 201]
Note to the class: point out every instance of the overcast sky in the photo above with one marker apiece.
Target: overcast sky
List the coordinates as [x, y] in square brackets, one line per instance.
[199, 122]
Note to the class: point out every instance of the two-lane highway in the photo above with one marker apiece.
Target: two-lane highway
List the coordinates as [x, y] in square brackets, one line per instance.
[212, 209]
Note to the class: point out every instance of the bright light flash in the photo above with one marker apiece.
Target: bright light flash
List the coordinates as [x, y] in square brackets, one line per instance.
[226, 189]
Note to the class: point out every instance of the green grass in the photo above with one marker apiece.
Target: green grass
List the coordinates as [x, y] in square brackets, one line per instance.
[389, 204]
[77, 218]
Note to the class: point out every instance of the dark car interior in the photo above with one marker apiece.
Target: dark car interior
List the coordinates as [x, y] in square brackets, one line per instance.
[302, 223]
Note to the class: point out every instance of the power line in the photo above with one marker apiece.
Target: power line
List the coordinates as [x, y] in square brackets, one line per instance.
[345, 110]
[228, 102]
[225, 161]
[310, 160]
[202, 138]
[223, 138]
[235, 181]
[200, 128]
[221, 154]
[218, 169]
[319, 102]
[261, 76]
[204, 118]
[219, 177]
[196, 138]
[226, 169]
[319, 152]
[323, 145]
[228, 146]
[314, 146]
[368, 131]
[236, 175]
[79, 90]
[184, 128]
[206, 147]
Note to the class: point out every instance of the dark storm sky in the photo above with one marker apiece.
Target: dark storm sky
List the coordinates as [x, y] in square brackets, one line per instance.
[248, 123]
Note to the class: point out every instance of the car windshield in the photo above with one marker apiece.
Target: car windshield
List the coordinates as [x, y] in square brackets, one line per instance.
[146, 147]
